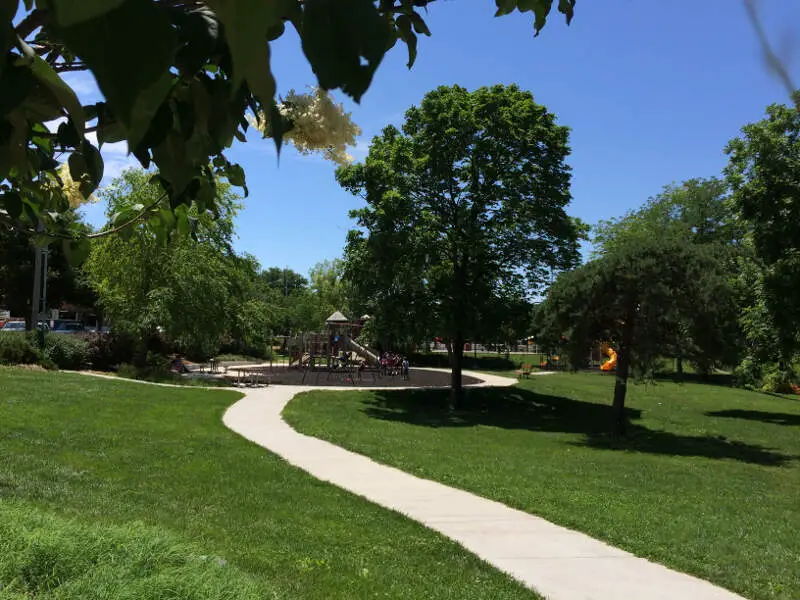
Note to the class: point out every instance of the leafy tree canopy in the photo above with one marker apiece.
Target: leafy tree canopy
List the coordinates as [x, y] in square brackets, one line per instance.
[465, 209]
[696, 210]
[285, 281]
[178, 79]
[639, 296]
[191, 288]
[762, 173]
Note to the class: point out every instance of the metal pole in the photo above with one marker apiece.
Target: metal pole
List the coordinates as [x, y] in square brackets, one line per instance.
[45, 255]
[37, 288]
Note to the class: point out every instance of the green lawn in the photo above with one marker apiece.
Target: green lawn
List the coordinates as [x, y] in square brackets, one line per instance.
[708, 483]
[111, 453]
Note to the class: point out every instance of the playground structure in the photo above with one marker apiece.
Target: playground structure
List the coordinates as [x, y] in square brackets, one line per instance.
[334, 351]
[611, 363]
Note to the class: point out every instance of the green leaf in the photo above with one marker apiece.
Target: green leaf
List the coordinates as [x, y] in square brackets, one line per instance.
[419, 25]
[170, 156]
[567, 7]
[504, 7]
[77, 250]
[71, 12]
[13, 142]
[409, 37]
[12, 202]
[67, 136]
[235, 174]
[86, 168]
[31, 212]
[541, 8]
[78, 169]
[199, 35]
[345, 41]
[129, 50]
[182, 222]
[94, 165]
[8, 8]
[167, 218]
[16, 83]
[248, 24]
[61, 91]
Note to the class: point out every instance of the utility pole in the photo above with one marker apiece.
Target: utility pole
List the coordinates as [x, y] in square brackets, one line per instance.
[39, 297]
[37, 287]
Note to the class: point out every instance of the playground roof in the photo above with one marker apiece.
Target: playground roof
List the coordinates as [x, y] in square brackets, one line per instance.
[336, 317]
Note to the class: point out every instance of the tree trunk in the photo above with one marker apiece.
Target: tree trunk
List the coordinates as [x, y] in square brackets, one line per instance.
[456, 366]
[620, 420]
[679, 367]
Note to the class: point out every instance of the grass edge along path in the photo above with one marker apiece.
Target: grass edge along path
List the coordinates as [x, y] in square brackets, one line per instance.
[113, 453]
[709, 484]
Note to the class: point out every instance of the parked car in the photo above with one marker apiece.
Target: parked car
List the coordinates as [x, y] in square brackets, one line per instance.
[94, 329]
[13, 326]
[68, 327]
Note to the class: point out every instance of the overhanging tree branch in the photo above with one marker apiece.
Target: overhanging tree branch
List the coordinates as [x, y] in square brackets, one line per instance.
[775, 63]
[31, 23]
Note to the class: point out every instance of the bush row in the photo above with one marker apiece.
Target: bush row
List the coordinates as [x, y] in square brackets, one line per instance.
[65, 351]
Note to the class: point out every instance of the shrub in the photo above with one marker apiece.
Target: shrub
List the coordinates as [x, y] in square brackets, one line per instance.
[66, 351]
[107, 350]
[43, 556]
[156, 367]
[18, 348]
[778, 380]
[748, 374]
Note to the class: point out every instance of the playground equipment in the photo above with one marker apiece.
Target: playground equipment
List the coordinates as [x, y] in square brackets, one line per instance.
[334, 350]
[353, 345]
[611, 363]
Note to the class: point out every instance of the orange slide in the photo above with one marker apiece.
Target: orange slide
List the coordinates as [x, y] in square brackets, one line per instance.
[611, 363]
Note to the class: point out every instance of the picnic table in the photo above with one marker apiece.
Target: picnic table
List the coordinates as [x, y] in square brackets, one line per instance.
[251, 374]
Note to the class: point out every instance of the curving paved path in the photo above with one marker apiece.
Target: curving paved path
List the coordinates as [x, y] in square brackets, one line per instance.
[556, 562]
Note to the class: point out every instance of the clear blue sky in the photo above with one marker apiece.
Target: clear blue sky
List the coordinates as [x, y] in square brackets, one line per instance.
[652, 91]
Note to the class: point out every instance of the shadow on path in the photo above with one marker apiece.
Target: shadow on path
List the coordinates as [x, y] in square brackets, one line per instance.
[758, 415]
[517, 408]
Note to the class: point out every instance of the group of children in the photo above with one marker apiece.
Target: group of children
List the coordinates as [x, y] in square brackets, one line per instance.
[390, 364]
[395, 364]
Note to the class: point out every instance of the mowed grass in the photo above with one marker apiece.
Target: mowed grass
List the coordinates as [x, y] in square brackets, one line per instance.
[46, 557]
[707, 483]
[112, 453]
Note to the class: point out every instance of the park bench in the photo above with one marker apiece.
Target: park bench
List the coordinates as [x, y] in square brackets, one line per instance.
[524, 371]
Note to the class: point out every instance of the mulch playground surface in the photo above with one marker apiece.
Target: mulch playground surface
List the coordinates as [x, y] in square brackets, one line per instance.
[321, 377]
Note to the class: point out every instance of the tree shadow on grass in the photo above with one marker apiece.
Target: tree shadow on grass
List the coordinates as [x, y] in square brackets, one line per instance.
[757, 415]
[720, 379]
[517, 408]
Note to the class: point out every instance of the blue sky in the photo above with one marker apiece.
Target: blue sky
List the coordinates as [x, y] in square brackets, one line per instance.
[652, 91]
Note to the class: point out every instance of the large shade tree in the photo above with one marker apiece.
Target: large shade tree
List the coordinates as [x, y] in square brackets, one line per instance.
[465, 207]
[644, 294]
[179, 80]
[763, 175]
[193, 289]
[696, 211]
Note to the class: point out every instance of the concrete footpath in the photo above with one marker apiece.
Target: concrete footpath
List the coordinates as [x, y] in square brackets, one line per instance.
[558, 563]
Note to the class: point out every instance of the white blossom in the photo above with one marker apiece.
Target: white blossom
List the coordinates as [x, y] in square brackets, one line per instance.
[318, 124]
[70, 188]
